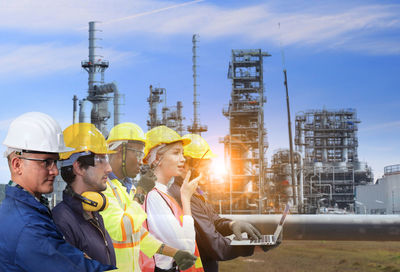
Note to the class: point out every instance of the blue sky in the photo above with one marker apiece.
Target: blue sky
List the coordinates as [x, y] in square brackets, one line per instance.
[339, 54]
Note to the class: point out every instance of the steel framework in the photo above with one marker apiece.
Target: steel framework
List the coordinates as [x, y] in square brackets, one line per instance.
[246, 143]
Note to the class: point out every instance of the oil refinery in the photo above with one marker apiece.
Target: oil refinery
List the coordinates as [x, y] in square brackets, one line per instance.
[325, 176]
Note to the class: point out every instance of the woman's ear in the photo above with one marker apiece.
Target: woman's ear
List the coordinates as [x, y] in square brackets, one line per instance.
[157, 161]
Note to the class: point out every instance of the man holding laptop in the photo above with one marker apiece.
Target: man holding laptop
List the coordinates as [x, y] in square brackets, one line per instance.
[211, 229]
[265, 241]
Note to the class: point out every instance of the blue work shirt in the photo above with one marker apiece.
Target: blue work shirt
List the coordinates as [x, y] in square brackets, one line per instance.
[30, 241]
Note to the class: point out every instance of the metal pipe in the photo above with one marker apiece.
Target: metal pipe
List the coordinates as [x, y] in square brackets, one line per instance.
[116, 103]
[329, 227]
[330, 189]
[74, 108]
[301, 183]
[82, 113]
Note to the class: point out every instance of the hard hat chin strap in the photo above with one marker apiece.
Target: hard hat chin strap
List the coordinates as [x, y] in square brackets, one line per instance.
[123, 164]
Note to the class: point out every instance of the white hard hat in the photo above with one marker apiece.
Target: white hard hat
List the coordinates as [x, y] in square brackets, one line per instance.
[35, 131]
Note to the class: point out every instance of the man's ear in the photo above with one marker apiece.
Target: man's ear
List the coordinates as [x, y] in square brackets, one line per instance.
[16, 165]
[118, 152]
[77, 169]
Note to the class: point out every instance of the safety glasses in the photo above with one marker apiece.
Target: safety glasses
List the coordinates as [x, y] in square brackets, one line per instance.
[100, 159]
[48, 163]
[139, 153]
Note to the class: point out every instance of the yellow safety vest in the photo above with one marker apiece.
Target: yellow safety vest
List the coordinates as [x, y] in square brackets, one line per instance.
[123, 220]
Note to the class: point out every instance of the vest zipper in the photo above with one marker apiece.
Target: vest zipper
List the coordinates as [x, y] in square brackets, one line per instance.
[104, 238]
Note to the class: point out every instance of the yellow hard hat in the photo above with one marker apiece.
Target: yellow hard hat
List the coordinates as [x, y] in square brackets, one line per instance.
[126, 132]
[198, 148]
[84, 137]
[162, 135]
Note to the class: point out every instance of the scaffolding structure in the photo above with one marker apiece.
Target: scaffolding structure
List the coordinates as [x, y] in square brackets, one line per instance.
[170, 116]
[246, 143]
[328, 142]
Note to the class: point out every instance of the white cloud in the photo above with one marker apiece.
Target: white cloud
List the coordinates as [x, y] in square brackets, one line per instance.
[39, 59]
[349, 27]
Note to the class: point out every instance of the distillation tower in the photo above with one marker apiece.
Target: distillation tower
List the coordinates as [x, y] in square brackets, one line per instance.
[196, 127]
[98, 92]
[246, 143]
[328, 142]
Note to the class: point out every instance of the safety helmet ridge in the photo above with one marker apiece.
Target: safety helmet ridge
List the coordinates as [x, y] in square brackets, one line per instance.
[162, 135]
[84, 137]
[198, 148]
[126, 132]
[36, 131]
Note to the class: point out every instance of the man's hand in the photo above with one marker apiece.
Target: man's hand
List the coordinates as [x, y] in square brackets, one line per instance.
[147, 180]
[238, 227]
[184, 259]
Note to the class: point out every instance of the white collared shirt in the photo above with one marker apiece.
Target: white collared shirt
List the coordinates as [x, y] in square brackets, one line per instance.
[164, 226]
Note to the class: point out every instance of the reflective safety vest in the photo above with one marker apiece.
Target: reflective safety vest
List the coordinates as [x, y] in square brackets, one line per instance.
[148, 264]
[123, 220]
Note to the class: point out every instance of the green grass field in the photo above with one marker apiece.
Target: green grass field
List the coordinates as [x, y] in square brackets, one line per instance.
[325, 256]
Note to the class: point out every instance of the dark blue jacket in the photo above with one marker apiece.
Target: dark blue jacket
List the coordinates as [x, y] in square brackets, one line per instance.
[210, 231]
[89, 235]
[30, 241]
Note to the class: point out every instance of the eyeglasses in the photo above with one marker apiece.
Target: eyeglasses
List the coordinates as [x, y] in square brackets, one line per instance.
[139, 153]
[100, 159]
[49, 163]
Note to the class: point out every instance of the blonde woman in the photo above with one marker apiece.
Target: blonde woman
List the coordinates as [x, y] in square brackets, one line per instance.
[166, 220]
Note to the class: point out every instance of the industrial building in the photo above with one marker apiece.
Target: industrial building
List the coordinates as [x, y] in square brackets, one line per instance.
[383, 197]
[327, 143]
[170, 116]
[246, 143]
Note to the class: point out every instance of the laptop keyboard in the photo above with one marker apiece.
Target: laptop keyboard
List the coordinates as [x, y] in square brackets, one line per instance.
[265, 239]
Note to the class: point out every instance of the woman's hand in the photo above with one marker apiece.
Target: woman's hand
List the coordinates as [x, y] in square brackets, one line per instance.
[189, 187]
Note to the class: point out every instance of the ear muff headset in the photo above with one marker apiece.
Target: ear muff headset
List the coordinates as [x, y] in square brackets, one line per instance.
[91, 201]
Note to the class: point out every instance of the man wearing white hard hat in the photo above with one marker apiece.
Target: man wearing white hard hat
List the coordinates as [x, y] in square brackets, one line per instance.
[29, 239]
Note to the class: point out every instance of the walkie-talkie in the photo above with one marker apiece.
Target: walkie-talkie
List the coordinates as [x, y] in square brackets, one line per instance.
[193, 168]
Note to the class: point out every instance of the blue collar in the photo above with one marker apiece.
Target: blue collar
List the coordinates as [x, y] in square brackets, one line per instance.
[126, 182]
[43, 200]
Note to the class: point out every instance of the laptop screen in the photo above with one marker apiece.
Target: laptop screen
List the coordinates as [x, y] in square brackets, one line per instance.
[285, 212]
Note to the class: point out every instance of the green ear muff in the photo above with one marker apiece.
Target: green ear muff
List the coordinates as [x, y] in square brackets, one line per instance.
[93, 201]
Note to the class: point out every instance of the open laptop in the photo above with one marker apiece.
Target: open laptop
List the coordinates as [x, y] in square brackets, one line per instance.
[265, 239]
